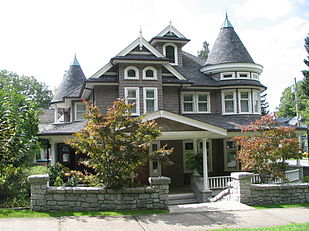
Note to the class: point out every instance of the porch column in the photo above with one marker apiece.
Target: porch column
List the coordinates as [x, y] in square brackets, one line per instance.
[52, 152]
[205, 167]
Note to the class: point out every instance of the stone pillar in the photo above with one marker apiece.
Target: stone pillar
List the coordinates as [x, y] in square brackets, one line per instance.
[53, 150]
[241, 186]
[39, 184]
[160, 184]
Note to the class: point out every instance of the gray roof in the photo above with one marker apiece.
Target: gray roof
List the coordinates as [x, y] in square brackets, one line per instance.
[228, 48]
[63, 129]
[72, 79]
[46, 116]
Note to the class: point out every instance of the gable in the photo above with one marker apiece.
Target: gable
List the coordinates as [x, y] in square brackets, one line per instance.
[167, 125]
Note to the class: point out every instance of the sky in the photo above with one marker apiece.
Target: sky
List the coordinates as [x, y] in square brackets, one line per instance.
[40, 37]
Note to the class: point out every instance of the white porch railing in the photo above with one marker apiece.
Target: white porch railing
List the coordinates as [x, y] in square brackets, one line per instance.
[220, 182]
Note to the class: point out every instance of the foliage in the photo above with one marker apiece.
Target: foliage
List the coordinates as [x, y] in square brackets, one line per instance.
[27, 86]
[305, 83]
[194, 161]
[266, 150]
[18, 141]
[116, 144]
[305, 180]
[205, 51]
[264, 105]
[287, 104]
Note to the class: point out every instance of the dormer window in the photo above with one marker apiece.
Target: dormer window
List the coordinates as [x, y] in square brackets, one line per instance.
[170, 52]
[243, 75]
[149, 73]
[131, 72]
[227, 75]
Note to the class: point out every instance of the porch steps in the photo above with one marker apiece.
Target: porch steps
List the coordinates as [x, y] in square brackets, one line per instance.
[182, 198]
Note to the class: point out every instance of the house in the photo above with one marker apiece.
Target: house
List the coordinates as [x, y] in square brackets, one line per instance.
[199, 104]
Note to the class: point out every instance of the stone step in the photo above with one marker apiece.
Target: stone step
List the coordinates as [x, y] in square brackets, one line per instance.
[181, 199]
[180, 196]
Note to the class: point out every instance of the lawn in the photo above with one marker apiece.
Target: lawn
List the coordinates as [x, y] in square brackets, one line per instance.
[289, 227]
[27, 213]
[281, 206]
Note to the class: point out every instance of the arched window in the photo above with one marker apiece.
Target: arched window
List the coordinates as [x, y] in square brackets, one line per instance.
[131, 72]
[149, 73]
[170, 52]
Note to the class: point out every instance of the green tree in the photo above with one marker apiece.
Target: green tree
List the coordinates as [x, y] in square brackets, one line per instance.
[265, 152]
[28, 86]
[116, 145]
[205, 51]
[18, 141]
[287, 103]
[305, 82]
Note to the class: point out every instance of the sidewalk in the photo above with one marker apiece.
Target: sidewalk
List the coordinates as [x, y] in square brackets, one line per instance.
[190, 221]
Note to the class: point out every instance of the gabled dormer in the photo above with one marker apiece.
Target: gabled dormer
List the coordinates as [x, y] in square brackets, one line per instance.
[170, 42]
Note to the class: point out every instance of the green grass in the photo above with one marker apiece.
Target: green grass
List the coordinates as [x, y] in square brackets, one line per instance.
[289, 227]
[26, 213]
[281, 206]
[36, 170]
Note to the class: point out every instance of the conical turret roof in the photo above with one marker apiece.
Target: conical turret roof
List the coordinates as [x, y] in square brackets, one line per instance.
[228, 47]
[72, 79]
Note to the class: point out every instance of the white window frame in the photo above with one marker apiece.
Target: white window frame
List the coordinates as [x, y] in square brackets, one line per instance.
[79, 111]
[175, 52]
[253, 102]
[243, 73]
[126, 72]
[226, 168]
[126, 89]
[155, 98]
[155, 75]
[153, 172]
[227, 73]
[249, 101]
[223, 101]
[195, 103]
[255, 76]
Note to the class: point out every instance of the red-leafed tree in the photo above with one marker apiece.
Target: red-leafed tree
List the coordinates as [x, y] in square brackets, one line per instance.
[116, 144]
[265, 146]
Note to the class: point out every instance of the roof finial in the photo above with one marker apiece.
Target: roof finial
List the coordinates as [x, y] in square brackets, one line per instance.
[140, 38]
[226, 22]
[170, 26]
[75, 62]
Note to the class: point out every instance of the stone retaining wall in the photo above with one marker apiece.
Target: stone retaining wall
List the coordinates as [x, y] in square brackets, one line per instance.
[45, 198]
[243, 191]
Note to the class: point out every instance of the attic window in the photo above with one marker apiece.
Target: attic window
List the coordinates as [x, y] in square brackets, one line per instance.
[255, 76]
[131, 72]
[149, 73]
[227, 75]
[170, 52]
[243, 75]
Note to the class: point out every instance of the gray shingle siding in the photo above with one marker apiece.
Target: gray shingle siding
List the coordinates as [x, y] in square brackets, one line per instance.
[105, 96]
[171, 99]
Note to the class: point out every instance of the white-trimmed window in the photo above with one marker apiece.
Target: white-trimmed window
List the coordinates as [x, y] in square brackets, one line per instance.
[170, 52]
[243, 75]
[150, 100]
[131, 72]
[154, 165]
[132, 97]
[255, 76]
[244, 97]
[80, 109]
[227, 75]
[256, 102]
[149, 73]
[228, 102]
[195, 102]
[230, 152]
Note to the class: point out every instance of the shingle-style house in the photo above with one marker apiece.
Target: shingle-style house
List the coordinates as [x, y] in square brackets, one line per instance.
[199, 104]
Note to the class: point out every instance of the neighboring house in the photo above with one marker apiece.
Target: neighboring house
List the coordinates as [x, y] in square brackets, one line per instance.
[199, 104]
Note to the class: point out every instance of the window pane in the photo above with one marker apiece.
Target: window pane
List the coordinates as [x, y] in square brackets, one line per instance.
[243, 75]
[170, 53]
[227, 76]
[228, 95]
[202, 106]
[188, 97]
[149, 74]
[131, 93]
[202, 97]
[189, 146]
[80, 106]
[131, 73]
[150, 105]
[244, 104]
[150, 94]
[188, 107]
[244, 95]
[229, 106]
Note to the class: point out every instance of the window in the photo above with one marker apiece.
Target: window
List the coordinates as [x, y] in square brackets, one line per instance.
[154, 165]
[188, 151]
[256, 102]
[150, 100]
[80, 109]
[243, 75]
[255, 76]
[131, 72]
[227, 75]
[244, 101]
[170, 52]
[229, 102]
[132, 97]
[195, 102]
[149, 73]
[230, 161]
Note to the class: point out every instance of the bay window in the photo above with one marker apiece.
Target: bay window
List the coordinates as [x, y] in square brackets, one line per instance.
[244, 97]
[229, 102]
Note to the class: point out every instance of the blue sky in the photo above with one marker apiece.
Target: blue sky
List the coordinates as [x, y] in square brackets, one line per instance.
[40, 38]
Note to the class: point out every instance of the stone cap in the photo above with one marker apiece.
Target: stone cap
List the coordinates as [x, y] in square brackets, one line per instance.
[159, 180]
[241, 175]
[34, 179]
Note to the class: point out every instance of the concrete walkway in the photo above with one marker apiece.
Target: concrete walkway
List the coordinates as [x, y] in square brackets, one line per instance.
[190, 221]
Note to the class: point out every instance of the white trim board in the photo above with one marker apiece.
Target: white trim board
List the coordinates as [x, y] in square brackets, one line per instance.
[172, 29]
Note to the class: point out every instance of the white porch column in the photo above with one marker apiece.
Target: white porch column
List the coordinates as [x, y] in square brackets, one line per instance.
[52, 152]
[205, 167]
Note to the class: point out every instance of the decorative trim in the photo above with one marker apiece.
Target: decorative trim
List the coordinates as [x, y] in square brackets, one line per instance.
[216, 68]
[172, 29]
[131, 68]
[174, 72]
[102, 71]
[155, 75]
